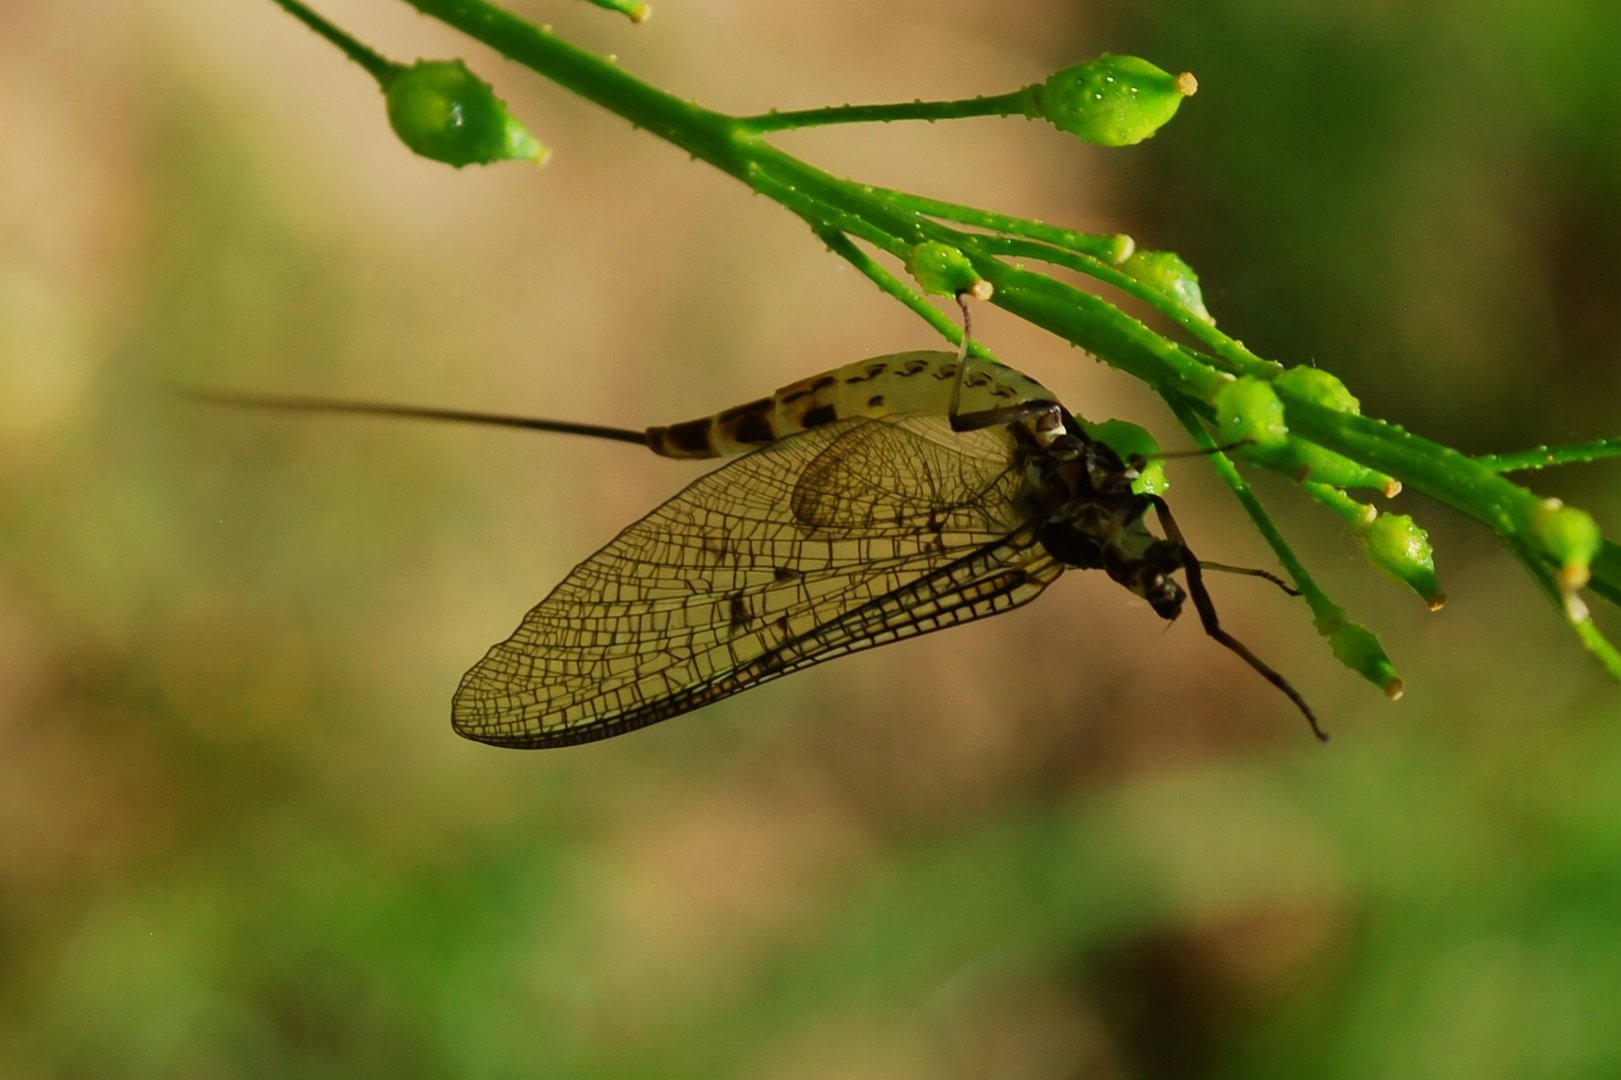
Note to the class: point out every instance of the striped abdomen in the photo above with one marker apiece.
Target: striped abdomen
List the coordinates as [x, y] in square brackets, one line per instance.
[911, 382]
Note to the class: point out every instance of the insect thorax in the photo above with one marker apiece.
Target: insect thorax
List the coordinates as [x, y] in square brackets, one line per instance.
[1080, 491]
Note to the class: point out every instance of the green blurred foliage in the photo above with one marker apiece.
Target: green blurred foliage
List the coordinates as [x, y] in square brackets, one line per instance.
[240, 840]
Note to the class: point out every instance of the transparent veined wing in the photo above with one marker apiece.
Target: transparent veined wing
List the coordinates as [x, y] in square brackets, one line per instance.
[833, 540]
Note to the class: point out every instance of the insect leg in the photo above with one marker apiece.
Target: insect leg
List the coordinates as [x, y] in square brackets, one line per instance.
[962, 359]
[1212, 624]
[1000, 417]
[1206, 564]
[1168, 455]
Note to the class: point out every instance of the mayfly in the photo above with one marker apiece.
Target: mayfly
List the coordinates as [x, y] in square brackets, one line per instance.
[878, 501]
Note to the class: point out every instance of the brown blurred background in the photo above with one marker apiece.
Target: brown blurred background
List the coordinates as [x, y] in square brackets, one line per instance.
[237, 837]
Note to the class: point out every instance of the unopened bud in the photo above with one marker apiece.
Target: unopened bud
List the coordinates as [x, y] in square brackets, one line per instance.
[1166, 272]
[1401, 549]
[444, 112]
[1113, 100]
[943, 270]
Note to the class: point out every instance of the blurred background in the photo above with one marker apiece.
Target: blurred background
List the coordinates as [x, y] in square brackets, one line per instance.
[238, 838]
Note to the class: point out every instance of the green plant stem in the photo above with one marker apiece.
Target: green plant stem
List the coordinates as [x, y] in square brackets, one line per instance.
[1112, 248]
[842, 246]
[1016, 103]
[634, 10]
[707, 135]
[1607, 573]
[1438, 471]
[1100, 327]
[1315, 598]
[1544, 456]
[1576, 615]
[1329, 618]
[1358, 515]
[821, 202]
[380, 67]
[894, 223]
[1238, 360]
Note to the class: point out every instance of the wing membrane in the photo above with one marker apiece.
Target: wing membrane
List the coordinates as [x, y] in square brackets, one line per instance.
[830, 541]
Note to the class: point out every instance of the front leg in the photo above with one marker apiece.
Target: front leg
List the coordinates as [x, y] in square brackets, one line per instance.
[1212, 623]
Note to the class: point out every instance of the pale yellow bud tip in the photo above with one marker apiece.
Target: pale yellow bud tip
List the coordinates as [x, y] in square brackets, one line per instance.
[1574, 577]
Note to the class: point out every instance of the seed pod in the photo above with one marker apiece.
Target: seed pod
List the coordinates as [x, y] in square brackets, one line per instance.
[943, 270]
[1166, 272]
[1319, 387]
[1401, 549]
[1113, 100]
[1249, 410]
[1355, 646]
[1571, 536]
[444, 112]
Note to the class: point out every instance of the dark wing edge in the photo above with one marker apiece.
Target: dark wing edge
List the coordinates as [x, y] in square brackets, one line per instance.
[899, 526]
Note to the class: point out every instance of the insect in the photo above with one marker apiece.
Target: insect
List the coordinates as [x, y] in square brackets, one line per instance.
[878, 501]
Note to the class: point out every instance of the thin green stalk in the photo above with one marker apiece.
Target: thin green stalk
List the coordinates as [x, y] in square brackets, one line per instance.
[1241, 360]
[1577, 617]
[1544, 456]
[634, 10]
[1016, 103]
[1112, 248]
[709, 136]
[1358, 515]
[801, 199]
[1353, 644]
[1607, 573]
[1096, 325]
[1438, 471]
[1223, 466]
[842, 246]
[380, 67]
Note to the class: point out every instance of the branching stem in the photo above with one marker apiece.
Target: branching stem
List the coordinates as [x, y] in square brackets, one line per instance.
[846, 215]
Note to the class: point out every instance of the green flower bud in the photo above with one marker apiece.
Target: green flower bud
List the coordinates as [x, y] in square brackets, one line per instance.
[1357, 648]
[1401, 549]
[1166, 272]
[1248, 410]
[1320, 388]
[444, 112]
[1119, 248]
[1571, 536]
[1308, 460]
[943, 270]
[635, 10]
[1113, 100]
[1127, 439]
